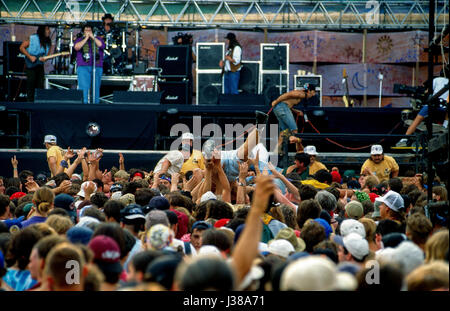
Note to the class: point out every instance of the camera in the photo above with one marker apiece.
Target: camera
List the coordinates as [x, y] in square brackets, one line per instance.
[418, 93]
[437, 212]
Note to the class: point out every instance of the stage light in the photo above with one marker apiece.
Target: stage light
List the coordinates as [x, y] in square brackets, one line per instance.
[92, 129]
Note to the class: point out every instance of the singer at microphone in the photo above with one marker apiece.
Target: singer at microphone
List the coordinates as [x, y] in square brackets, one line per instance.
[84, 47]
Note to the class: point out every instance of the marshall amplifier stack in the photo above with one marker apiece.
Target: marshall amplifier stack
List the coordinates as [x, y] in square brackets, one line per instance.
[209, 74]
[175, 79]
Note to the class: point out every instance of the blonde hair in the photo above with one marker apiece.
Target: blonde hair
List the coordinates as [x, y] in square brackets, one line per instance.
[370, 227]
[45, 229]
[436, 246]
[43, 198]
[429, 277]
[61, 224]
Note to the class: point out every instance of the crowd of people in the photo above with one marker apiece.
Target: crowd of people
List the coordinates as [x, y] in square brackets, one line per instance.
[221, 220]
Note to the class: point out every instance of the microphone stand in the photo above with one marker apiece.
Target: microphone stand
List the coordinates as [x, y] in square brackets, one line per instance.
[380, 77]
[280, 62]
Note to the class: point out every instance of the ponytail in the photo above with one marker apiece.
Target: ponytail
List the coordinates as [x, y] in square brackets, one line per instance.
[43, 208]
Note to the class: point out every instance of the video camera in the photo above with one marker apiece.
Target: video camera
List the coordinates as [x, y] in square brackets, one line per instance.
[418, 93]
[437, 212]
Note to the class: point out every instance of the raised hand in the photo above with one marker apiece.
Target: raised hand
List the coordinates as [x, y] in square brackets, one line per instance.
[14, 162]
[243, 169]
[69, 154]
[264, 189]
[121, 159]
[31, 186]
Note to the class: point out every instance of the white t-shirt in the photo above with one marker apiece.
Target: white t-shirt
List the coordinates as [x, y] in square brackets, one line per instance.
[176, 160]
[237, 54]
[438, 84]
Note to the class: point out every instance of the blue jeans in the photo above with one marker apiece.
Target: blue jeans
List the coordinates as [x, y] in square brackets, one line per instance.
[285, 117]
[85, 81]
[231, 82]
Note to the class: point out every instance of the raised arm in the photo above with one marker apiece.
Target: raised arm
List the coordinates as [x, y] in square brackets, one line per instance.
[226, 188]
[121, 162]
[15, 165]
[291, 188]
[246, 248]
[243, 172]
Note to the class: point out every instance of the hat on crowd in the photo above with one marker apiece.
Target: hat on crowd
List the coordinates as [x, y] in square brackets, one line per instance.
[79, 235]
[362, 196]
[356, 245]
[354, 210]
[122, 174]
[17, 195]
[376, 149]
[221, 222]
[230, 36]
[81, 193]
[115, 187]
[116, 195]
[127, 199]
[64, 201]
[325, 225]
[393, 200]
[325, 215]
[201, 225]
[208, 196]
[51, 139]
[311, 150]
[373, 196]
[336, 177]
[350, 174]
[255, 273]
[281, 248]
[393, 239]
[75, 177]
[159, 203]
[106, 253]
[352, 226]
[187, 136]
[209, 250]
[131, 214]
[159, 237]
[288, 234]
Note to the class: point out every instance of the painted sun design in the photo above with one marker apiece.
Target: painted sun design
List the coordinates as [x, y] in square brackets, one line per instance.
[384, 44]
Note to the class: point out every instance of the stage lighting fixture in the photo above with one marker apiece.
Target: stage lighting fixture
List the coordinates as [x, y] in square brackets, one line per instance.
[92, 129]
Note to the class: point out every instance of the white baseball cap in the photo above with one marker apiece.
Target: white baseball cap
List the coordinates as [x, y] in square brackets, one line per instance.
[311, 150]
[50, 139]
[187, 136]
[81, 193]
[281, 248]
[393, 200]
[356, 245]
[376, 149]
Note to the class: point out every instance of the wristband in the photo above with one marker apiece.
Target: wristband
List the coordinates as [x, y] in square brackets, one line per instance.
[64, 164]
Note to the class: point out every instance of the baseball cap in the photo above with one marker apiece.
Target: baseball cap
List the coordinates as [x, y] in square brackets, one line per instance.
[106, 253]
[230, 36]
[356, 245]
[50, 139]
[208, 196]
[132, 214]
[354, 210]
[159, 203]
[115, 187]
[376, 149]
[281, 248]
[352, 226]
[79, 235]
[81, 193]
[122, 174]
[159, 237]
[325, 225]
[393, 200]
[311, 150]
[200, 224]
[17, 195]
[187, 136]
[393, 239]
[221, 222]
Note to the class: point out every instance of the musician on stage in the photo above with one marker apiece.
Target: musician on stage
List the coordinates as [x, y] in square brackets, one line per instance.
[232, 64]
[108, 20]
[84, 47]
[35, 48]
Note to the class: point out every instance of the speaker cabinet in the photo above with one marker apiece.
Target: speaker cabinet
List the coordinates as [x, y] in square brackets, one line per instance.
[299, 82]
[55, 96]
[209, 87]
[272, 81]
[174, 92]
[249, 77]
[14, 61]
[209, 55]
[273, 55]
[174, 60]
[136, 98]
[239, 100]
[15, 89]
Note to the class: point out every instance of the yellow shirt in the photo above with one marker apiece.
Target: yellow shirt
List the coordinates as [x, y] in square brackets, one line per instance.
[196, 160]
[316, 166]
[382, 170]
[315, 184]
[56, 152]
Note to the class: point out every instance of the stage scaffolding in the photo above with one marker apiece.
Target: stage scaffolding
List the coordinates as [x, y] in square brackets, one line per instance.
[243, 14]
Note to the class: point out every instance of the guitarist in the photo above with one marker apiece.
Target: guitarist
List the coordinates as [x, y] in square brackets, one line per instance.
[84, 47]
[35, 48]
[232, 65]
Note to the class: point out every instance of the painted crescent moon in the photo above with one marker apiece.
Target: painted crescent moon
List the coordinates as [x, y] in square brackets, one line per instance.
[356, 84]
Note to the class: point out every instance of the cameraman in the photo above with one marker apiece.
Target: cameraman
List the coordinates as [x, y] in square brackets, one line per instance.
[438, 84]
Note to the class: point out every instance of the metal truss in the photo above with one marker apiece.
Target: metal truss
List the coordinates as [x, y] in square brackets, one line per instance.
[247, 14]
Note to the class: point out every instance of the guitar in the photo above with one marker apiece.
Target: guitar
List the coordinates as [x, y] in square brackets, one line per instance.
[346, 98]
[224, 60]
[30, 64]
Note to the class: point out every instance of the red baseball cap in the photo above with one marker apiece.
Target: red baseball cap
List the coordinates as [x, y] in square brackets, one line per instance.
[17, 195]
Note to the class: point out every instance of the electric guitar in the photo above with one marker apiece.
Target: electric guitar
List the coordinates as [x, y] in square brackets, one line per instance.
[226, 54]
[346, 98]
[30, 64]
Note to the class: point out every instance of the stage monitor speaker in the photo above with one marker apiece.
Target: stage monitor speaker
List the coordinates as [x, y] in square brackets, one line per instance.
[13, 60]
[209, 87]
[272, 54]
[209, 55]
[272, 81]
[175, 92]
[241, 100]
[299, 82]
[16, 89]
[55, 96]
[174, 60]
[249, 77]
[136, 98]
